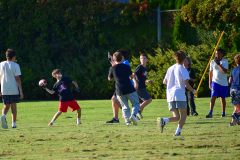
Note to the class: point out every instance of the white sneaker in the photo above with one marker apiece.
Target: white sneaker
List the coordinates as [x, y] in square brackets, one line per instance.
[3, 122]
[128, 124]
[133, 120]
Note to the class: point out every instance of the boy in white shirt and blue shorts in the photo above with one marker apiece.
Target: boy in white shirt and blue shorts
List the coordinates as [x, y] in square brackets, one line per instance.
[218, 83]
[176, 80]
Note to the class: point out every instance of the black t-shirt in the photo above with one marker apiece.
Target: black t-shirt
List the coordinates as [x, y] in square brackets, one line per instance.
[191, 75]
[141, 76]
[121, 73]
[62, 87]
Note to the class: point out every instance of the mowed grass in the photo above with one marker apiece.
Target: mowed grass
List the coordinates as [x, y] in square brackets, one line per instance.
[200, 138]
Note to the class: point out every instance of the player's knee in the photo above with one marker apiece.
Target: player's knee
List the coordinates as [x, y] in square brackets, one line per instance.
[150, 100]
[79, 110]
[113, 98]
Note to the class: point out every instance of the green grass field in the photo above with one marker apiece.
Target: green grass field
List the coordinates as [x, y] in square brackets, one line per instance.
[200, 138]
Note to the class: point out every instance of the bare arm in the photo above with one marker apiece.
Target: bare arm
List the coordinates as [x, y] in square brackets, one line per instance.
[210, 78]
[134, 80]
[75, 84]
[230, 80]
[165, 81]
[18, 80]
[191, 79]
[224, 70]
[50, 91]
[188, 86]
[149, 81]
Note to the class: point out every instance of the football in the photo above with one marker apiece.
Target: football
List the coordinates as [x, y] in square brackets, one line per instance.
[42, 82]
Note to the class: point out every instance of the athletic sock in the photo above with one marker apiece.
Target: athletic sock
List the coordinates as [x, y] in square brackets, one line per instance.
[166, 120]
[178, 130]
[223, 112]
[13, 124]
[78, 120]
[210, 111]
[52, 121]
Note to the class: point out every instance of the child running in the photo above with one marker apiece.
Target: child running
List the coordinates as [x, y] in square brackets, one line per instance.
[176, 80]
[234, 80]
[66, 99]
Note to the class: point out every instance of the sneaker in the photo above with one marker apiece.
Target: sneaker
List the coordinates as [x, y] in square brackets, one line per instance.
[139, 115]
[236, 117]
[195, 114]
[160, 123]
[209, 115]
[114, 120]
[128, 124]
[78, 123]
[232, 124]
[14, 126]
[137, 118]
[177, 134]
[4, 122]
[133, 120]
[223, 115]
[50, 124]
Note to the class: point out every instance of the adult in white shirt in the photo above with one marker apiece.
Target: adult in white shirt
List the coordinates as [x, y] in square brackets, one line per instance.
[176, 80]
[218, 83]
[11, 88]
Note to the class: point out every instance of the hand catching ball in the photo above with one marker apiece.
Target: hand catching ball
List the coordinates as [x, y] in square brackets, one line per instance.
[42, 82]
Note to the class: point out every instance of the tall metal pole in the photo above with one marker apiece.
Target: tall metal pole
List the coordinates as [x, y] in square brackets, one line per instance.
[159, 23]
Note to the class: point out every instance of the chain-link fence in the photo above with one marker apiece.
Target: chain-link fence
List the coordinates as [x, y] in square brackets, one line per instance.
[192, 35]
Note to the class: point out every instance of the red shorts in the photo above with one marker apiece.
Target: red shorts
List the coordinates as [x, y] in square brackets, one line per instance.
[73, 105]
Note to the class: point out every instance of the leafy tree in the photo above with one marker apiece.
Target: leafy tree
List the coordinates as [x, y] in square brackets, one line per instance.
[214, 14]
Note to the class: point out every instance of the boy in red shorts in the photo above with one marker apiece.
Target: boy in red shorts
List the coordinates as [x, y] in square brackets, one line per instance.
[66, 99]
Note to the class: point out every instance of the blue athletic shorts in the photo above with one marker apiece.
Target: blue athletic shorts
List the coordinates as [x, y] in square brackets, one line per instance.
[10, 99]
[218, 90]
[235, 96]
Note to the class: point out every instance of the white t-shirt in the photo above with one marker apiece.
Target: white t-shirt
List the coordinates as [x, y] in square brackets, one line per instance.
[218, 76]
[8, 71]
[175, 76]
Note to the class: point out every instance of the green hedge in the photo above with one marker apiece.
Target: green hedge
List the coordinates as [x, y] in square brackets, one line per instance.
[157, 67]
[75, 37]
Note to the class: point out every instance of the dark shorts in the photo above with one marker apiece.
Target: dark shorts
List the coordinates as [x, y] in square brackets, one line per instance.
[73, 105]
[218, 90]
[235, 96]
[114, 94]
[143, 94]
[10, 99]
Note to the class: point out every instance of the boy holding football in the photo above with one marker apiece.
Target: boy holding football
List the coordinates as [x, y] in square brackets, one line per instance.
[11, 88]
[141, 73]
[66, 99]
[176, 80]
